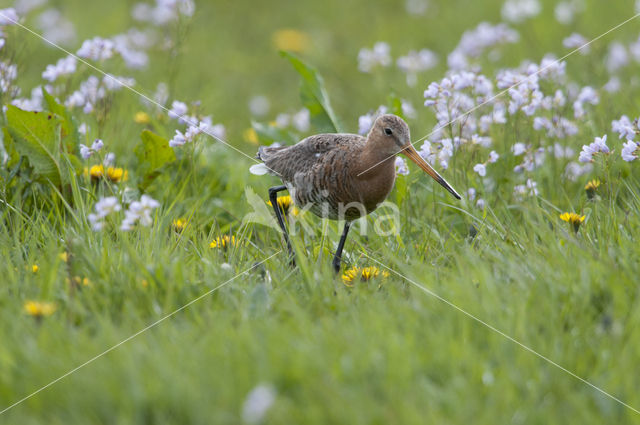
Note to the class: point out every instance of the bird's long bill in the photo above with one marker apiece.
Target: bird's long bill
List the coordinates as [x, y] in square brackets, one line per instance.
[413, 155]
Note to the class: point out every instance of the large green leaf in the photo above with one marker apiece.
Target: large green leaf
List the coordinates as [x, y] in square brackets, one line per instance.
[153, 153]
[36, 136]
[68, 128]
[314, 95]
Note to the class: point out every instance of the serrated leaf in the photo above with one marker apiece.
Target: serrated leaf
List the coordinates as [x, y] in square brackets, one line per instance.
[314, 95]
[36, 135]
[153, 153]
[67, 124]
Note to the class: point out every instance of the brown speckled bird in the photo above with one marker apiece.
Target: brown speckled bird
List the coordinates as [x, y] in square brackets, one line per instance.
[341, 176]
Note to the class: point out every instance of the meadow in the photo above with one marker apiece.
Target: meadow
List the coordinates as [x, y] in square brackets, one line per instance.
[143, 280]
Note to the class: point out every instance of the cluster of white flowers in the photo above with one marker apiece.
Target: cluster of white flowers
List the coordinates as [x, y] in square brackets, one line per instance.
[472, 194]
[103, 208]
[575, 41]
[163, 12]
[97, 49]
[8, 16]
[380, 55]
[416, 7]
[300, 120]
[401, 166]
[56, 27]
[415, 62]
[8, 74]
[520, 10]
[598, 145]
[259, 105]
[139, 211]
[86, 152]
[627, 130]
[530, 188]
[31, 104]
[93, 89]
[475, 42]
[565, 11]
[365, 122]
[64, 66]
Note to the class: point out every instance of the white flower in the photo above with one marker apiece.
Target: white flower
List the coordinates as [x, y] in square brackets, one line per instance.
[630, 151]
[64, 66]
[378, 56]
[97, 145]
[416, 7]
[613, 85]
[109, 159]
[83, 128]
[598, 145]
[257, 404]
[480, 203]
[566, 10]
[575, 41]
[300, 120]
[493, 157]
[97, 49]
[178, 110]
[85, 152]
[617, 57]
[520, 10]
[8, 16]
[481, 169]
[471, 194]
[415, 62]
[401, 166]
[103, 208]
[573, 171]
[259, 105]
[364, 123]
[139, 211]
[518, 148]
[624, 128]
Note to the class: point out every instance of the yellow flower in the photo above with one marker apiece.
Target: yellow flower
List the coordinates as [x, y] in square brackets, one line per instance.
[250, 136]
[223, 242]
[591, 187]
[35, 268]
[39, 309]
[179, 224]
[290, 39]
[573, 218]
[144, 283]
[64, 256]
[142, 117]
[364, 274]
[284, 202]
[114, 174]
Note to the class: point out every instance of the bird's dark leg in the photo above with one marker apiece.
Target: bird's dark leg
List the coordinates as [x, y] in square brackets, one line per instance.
[273, 197]
[338, 257]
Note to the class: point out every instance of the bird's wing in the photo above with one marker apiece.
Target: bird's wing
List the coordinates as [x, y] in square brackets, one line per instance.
[287, 161]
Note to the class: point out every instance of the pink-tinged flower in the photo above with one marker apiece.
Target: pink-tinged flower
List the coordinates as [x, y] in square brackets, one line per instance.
[481, 169]
[599, 145]
[624, 127]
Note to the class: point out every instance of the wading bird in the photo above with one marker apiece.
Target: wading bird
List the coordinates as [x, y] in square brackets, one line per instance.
[341, 176]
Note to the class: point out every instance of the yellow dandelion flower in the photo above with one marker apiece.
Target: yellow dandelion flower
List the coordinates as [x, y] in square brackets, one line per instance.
[592, 187]
[142, 117]
[574, 219]
[117, 175]
[251, 136]
[364, 274]
[284, 202]
[144, 283]
[114, 174]
[35, 268]
[39, 309]
[291, 39]
[179, 224]
[224, 242]
[64, 256]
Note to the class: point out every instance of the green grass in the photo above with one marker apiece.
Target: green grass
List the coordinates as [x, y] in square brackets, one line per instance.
[393, 354]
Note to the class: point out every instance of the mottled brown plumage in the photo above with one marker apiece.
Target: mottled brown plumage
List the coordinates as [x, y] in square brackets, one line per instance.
[344, 176]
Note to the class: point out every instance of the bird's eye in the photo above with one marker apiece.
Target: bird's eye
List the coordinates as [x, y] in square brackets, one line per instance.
[388, 131]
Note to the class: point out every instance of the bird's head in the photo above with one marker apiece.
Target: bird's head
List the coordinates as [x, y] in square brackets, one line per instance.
[392, 137]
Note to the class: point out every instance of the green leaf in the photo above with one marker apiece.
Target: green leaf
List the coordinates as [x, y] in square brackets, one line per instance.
[36, 135]
[68, 128]
[270, 134]
[153, 153]
[314, 95]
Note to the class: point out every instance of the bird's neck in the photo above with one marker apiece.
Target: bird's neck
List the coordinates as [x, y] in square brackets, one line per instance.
[375, 160]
